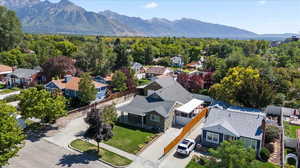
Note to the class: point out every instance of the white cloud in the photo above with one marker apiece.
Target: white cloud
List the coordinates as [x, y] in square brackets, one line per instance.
[262, 2]
[151, 5]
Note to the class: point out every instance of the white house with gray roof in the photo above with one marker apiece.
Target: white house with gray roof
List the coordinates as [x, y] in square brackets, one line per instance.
[222, 125]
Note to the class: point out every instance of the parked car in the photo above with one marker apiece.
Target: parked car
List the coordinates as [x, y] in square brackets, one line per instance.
[186, 147]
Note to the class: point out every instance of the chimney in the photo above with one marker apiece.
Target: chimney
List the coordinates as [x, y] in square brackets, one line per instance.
[67, 78]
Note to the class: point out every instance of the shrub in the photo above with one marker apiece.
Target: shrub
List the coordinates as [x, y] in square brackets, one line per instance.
[272, 133]
[264, 154]
[270, 147]
[11, 98]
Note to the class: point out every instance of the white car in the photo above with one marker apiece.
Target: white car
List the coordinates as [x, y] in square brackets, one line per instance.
[186, 147]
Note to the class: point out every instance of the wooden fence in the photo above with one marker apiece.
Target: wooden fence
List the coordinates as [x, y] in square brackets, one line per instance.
[186, 129]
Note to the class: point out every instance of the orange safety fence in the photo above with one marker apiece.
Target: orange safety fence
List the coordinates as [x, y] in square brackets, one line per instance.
[186, 129]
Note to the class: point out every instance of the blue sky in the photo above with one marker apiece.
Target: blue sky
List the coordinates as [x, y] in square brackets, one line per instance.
[260, 16]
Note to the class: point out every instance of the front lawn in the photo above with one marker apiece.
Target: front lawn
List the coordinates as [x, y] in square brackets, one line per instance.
[290, 130]
[142, 82]
[6, 91]
[104, 154]
[129, 140]
[194, 164]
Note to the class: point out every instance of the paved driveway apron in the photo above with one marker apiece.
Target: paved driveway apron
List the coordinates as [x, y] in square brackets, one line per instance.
[43, 154]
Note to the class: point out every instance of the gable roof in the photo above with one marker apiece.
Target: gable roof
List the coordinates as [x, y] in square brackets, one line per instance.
[141, 105]
[5, 69]
[172, 91]
[24, 73]
[73, 84]
[158, 70]
[245, 124]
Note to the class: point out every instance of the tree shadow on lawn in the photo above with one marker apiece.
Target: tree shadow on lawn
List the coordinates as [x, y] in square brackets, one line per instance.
[82, 158]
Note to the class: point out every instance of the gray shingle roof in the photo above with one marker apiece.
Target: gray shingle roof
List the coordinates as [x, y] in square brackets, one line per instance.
[203, 97]
[172, 91]
[235, 123]
[24, 73]
[141, 105]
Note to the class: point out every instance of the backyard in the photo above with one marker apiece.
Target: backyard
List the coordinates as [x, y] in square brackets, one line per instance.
[104, 154]
[290, 130]
[129, 139]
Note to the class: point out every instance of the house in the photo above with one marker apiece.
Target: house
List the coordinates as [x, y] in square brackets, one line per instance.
[194, 65]
[70, 87]
[107, 79]
[155, 109]
[177, 61]
[157, 71]
[282, 111]
[4, 71]
[222, 125]
[24, 77]
[139, 70]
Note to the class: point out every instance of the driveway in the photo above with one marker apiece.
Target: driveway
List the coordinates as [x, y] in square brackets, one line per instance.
[73, 130]
[173, 160]
[43, 154]
[155, 150]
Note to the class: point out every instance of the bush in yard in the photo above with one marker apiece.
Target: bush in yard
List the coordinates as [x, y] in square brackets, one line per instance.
[264, 154]
[109, 115]
[272, 133]
[270, 147]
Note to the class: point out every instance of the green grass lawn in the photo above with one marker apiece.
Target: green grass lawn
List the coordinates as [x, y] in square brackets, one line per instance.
[106, 155]
[194, 164]
[142, 82]
[129, 140]
[6, 91]
[290, 130]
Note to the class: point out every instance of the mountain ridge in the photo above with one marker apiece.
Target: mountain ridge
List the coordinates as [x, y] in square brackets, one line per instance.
[67, 18]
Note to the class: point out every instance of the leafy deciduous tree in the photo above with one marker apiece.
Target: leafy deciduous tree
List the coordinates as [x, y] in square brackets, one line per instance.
[11, 134]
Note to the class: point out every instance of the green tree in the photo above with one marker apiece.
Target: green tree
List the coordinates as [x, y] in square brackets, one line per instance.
[87, 91]
[11, 134]
[124, 57]
[41, 104]
[66, 47]
[109, 114]
[243, 86]
[119, 81]
[10, 29]
[231, 154]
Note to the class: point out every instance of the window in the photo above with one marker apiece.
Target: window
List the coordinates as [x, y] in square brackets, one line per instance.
[249, 143]
[154, 118]
[212, 137]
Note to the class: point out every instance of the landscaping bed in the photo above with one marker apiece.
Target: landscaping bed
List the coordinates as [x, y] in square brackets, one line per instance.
[129, 139]
[290, 130]
[104, 154]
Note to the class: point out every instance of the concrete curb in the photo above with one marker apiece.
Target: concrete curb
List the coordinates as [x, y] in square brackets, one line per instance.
[77, 150]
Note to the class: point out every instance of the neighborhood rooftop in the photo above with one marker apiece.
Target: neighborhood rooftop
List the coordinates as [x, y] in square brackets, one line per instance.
[239, 124]
[73, 83]
[24, 73]
[141, 105]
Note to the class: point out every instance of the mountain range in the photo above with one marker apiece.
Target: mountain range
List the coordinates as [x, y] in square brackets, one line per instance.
[67, 18]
